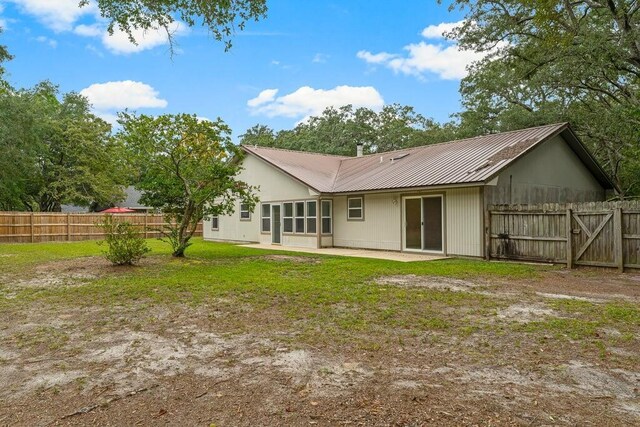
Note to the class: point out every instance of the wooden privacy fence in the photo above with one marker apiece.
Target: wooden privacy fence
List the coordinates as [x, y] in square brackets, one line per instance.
[600, 234]
[21, 227]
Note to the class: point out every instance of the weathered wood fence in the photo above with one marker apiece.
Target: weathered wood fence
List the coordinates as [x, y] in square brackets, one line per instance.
[600, 234]
[21, 227]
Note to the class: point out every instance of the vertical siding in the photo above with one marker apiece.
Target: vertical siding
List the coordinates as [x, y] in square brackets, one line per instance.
[464, 221]
[380, 228]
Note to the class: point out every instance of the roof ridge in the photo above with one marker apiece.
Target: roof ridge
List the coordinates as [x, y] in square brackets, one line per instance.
[457, 140]
[250, 146]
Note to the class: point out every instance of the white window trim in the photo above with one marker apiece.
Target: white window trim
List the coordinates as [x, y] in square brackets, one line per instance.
[217, 217]
[284, 218]
[323, 217]
[262, 217]
[307, 216]
[296, 217]
[361, 209]
[248, 211]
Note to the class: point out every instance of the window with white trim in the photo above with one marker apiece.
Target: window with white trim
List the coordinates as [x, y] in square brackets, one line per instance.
[312, 214]
[287, 217]
[355, 208]
[325, 208]
[215, 222]
[245, 213]
[266, 218]
[299, 211]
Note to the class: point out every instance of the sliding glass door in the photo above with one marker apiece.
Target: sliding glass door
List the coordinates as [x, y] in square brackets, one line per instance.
[423, 223]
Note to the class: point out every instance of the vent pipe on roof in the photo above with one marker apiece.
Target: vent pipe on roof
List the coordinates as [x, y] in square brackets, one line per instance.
[359, 149]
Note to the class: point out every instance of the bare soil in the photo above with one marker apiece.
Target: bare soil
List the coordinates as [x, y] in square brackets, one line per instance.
[188, 365]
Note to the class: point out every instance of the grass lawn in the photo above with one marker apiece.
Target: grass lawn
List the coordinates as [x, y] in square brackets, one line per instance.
[239, 336]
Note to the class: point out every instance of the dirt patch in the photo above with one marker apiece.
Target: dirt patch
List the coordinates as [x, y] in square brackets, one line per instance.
[291, 258]
[525, 313]
[439, 283]
[75, 271]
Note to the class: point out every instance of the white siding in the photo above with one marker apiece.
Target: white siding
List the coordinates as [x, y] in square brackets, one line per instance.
[273, 185]
[380, 228]
[464, 221]
[310, 241]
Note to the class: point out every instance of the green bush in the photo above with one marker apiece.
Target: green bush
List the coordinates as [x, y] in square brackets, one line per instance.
[125, 244]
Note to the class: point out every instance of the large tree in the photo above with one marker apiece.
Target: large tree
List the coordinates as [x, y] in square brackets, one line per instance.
[558, 60]
[187, 167]
[219, 17]
[55, 152]
[339, 130]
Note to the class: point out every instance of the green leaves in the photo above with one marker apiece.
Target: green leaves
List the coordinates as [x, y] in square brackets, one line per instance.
[186, 167]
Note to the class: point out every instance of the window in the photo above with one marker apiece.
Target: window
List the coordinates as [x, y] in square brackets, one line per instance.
[325, 207]
[266, 217]
[355, 208]
[245, 214]
[287, 218]
[312, 213]
[215, 222]
[299, 206]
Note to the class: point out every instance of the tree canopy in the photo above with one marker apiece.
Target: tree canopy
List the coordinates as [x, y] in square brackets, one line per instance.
[55, 151]
[219, 17]
[186, 167]
[556, 60]
[339, 130]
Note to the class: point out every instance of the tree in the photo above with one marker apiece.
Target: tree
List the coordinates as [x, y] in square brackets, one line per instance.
[220, 17]
[558, 60]
[55, 152]
[339, 130]
[187, 167]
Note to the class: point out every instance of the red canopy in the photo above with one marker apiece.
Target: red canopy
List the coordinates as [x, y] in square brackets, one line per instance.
[117, 210]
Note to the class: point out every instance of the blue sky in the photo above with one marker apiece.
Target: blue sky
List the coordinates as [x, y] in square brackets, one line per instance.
[304, 56]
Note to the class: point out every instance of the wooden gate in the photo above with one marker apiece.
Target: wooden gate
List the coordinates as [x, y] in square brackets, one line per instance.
[595, 238]
[599, 234]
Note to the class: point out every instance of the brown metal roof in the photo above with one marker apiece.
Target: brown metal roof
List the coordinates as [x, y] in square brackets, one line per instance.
[472, 161]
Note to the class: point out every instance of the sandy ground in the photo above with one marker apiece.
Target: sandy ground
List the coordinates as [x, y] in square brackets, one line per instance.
[182, 365]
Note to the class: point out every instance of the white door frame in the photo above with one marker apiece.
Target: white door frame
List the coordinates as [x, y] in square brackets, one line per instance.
[404, 223]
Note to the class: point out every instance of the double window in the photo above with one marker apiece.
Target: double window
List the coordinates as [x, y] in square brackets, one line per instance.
[355, 208]
[266, 218]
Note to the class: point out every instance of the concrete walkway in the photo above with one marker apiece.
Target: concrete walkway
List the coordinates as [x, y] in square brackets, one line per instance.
[358, 253]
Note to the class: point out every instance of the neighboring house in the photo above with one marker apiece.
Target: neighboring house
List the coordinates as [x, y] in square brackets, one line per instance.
[132, 201]
[429, 198]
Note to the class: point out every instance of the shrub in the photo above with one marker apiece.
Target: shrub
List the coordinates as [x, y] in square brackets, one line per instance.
[125, 244]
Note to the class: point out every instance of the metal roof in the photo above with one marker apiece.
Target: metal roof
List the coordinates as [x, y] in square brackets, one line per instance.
[467, 161]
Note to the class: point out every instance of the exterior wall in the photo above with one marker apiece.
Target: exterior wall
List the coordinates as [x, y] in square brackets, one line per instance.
[274, 186]
[300, 241]
[551, 173]
[380, 228]
[464, 221]
[383, 222]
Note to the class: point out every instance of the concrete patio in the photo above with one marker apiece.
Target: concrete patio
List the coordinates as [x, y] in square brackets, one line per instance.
[358, 253]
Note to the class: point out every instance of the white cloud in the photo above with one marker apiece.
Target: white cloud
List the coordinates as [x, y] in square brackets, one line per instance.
[122, 94]
[444, 59]
[320, 58]
[93, 30]
[46, 40]
[437, 31]
[119, 42]
[265, 96]
[307, 101]
[59, 15]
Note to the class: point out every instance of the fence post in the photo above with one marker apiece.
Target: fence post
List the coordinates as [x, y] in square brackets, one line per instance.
[617, 238]
[145, 224]
[569, 239]
[31, 224]
[487, 234]
[68, 227]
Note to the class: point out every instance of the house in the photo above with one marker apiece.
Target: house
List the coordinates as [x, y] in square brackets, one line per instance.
[131, 201]
[429, 198]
